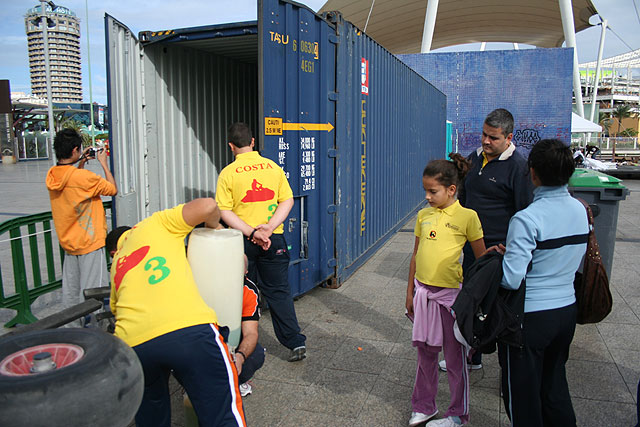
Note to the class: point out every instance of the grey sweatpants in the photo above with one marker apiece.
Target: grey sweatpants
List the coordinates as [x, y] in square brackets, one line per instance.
[80, 272]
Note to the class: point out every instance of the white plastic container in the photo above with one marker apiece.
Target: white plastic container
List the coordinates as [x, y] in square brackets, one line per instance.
[217, 262]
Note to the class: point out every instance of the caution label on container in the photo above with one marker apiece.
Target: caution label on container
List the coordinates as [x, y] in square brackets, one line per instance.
[272, 126]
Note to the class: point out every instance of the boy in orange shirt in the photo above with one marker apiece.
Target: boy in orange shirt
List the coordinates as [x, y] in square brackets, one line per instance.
[78, 215]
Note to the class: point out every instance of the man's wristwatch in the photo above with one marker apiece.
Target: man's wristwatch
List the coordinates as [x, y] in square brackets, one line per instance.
[251, 238]
[243, 355]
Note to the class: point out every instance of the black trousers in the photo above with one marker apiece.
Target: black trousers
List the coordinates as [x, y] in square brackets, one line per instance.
[273, 267]
[534, 380]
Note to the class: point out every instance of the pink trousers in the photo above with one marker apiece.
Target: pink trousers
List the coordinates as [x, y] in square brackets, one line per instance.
[425, 388]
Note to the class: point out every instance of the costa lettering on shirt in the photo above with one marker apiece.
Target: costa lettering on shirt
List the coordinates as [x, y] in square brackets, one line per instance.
[252, 187]
[255, 167]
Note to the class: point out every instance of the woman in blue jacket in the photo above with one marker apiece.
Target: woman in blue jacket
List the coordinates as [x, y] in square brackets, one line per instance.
[534, 381]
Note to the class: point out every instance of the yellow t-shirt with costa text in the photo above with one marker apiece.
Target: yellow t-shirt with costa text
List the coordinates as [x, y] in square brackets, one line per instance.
[152, 288]
[252, 187]
[442, 233]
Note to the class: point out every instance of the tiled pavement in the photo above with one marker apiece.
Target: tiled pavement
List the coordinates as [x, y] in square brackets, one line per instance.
[361, 364]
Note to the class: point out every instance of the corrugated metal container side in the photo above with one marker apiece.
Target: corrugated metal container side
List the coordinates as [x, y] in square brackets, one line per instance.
[192, 97]
[389, 123]
[170, 140]
[126, 133]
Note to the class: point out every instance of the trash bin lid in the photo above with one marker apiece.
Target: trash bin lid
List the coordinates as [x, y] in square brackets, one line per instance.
[594, 179]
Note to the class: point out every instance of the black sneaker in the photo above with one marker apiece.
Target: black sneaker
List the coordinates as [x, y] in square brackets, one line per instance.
[298, 353]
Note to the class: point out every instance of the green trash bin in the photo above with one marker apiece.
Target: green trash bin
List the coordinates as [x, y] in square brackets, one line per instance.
[603, 193]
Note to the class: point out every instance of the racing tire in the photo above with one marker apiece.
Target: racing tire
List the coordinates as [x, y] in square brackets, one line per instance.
[98, 380]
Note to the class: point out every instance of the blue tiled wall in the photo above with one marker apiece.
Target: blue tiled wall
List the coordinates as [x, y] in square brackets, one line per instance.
[535, 85]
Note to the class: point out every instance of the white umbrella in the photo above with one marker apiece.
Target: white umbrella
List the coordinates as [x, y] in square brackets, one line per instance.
[580, 125]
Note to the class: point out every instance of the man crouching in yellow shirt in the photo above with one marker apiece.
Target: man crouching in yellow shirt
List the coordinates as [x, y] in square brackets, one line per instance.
[161, 315]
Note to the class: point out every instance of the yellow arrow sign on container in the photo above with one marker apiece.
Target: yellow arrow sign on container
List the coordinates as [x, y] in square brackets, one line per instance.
[308, 126]
[275, 126]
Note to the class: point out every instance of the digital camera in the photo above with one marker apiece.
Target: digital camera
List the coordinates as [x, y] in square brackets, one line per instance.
[92, 151]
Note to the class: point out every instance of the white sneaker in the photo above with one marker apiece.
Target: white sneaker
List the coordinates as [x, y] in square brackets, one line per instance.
[470, 366]
[245, 389]
[443, 422]
[419, 417]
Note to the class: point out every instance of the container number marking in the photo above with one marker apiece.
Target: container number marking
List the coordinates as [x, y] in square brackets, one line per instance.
[307, 66]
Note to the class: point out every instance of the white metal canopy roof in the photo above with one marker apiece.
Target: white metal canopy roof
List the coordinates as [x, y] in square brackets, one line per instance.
[629, 59]
[398, 24]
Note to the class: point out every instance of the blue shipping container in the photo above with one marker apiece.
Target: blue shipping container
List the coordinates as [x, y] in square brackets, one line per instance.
[351, 125]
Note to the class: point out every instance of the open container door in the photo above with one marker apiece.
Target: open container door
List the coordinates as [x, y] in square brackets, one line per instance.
[296, 80]
[127, 141]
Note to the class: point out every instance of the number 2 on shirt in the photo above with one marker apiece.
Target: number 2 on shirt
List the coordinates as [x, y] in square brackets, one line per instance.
[160, 268]
[272, 208]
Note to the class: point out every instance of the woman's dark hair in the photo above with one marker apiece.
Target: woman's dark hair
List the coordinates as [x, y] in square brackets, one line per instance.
[552, 162]
[448, 172]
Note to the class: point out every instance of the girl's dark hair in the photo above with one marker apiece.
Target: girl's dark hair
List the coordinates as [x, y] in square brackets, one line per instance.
[448, 172]
[552, 161]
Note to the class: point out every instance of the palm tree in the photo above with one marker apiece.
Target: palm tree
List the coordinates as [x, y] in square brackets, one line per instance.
[605, 121]
[77, 126]
[620, 113]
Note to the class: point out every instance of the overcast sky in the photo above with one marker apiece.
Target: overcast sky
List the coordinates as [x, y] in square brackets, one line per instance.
[622, 15]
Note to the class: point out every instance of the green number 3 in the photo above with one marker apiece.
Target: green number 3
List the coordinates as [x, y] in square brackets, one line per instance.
[164, 271]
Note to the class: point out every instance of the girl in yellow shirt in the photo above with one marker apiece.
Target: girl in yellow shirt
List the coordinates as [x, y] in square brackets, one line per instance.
[435, 275]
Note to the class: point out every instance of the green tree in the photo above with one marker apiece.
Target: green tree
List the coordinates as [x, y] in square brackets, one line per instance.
[629, 132]
[620, 113]
[77, 126]
[605, 121]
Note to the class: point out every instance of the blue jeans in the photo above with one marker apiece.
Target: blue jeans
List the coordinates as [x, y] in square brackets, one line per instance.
[273, 267]
[201, 363]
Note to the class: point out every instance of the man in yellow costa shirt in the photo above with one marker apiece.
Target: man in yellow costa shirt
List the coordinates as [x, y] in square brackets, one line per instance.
[254, 197]
[161, 315]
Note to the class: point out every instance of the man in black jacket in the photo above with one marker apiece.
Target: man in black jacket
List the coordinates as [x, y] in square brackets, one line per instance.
[497, 186]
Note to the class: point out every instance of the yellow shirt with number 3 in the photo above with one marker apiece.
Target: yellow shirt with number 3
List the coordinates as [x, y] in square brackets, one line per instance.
[152, 288]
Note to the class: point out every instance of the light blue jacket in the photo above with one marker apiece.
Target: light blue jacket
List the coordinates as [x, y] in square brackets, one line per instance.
[553, 214]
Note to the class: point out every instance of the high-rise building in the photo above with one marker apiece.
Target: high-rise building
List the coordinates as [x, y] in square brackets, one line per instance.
[63, 36]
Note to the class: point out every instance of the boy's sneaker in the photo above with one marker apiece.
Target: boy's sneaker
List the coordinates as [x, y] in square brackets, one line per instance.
[470, 366]
[419, 418]
[298, 353]
[245, 389]
[444, 422]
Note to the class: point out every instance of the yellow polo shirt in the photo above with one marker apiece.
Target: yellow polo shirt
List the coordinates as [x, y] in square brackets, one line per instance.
[252, 187]
[442, 234]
